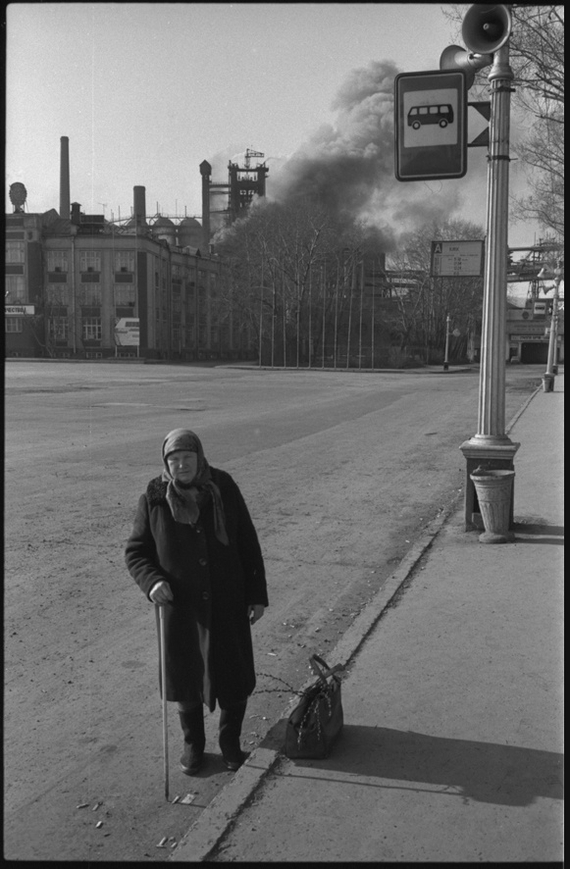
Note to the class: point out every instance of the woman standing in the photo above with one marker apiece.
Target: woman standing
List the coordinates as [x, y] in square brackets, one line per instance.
[195, 552]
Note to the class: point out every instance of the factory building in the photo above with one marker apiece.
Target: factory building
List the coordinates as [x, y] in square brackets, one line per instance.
[80, 286]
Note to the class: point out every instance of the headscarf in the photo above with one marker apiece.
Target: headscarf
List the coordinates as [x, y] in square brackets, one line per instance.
[185, 499]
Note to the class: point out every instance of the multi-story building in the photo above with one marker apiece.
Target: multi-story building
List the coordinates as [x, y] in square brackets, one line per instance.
[86, 287]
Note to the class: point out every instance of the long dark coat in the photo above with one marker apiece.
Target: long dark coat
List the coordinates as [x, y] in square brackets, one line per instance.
[209, 651]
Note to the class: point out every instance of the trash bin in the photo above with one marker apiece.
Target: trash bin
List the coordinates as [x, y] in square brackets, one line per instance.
[494, 493]
[548, 382]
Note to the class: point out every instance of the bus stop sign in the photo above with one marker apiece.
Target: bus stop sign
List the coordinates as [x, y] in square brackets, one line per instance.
[430, 125]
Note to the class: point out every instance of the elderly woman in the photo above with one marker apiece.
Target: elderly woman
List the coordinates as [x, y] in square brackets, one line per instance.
[195, 552]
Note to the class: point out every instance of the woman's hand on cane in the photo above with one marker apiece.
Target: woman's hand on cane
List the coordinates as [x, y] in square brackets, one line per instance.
[255, 611]
[161, 593]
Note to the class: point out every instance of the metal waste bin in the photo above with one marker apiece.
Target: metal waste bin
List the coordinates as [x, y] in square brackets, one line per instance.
[494, 492]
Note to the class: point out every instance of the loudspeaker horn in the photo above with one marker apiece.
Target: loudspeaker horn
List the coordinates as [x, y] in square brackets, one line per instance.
[455, 57]
[486, 28]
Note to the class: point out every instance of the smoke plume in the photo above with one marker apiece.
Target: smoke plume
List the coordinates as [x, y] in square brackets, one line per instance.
[348, 166]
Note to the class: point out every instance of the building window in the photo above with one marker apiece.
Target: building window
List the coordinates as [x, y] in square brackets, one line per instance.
[91, 329]
[57, 294]
[57, 260]
[90, 294]
[15, 289]
[58, 328]
[14, 324]
[125, 261]
[90, 261]
[15, 251]
[124, 295]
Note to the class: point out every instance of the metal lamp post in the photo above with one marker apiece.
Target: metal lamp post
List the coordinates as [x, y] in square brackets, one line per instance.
[548, 379]
[490, 445]
[446, 358]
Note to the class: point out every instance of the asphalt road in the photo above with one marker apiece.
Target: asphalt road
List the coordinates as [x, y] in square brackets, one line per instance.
[341, 471]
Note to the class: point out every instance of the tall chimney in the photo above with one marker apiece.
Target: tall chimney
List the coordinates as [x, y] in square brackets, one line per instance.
[139, 205]
[205, 172]
[64, 195]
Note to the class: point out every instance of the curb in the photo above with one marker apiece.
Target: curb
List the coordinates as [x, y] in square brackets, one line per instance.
[522, 409]
[207, 832]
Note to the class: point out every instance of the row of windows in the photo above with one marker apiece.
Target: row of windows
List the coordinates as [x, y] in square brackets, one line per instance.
[124, 295]
[58, 292]
[58, 327]
[89, 260]
[91, 294]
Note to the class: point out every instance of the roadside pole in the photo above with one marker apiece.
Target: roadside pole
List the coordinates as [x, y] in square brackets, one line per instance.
[490, 445]
[551, 366]
[446, 359]
[486, 30]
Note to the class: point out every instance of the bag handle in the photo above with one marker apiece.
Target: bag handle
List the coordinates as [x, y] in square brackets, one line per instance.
[317, 662]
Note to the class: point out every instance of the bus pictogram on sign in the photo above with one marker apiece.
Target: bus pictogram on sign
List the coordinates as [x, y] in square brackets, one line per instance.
[420, 115]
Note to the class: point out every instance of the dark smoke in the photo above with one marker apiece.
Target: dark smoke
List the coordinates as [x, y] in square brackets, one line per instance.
[348, 167]
[341, 165]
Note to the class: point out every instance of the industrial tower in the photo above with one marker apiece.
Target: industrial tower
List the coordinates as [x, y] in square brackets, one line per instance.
[244, 182]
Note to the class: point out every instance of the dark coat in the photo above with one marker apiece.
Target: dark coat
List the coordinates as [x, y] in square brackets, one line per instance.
[209, 651]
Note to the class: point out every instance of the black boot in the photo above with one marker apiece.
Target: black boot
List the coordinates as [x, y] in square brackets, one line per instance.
[192, 722]
[231, 720]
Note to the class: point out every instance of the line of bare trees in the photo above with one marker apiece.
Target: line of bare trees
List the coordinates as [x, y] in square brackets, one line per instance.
[320, 294]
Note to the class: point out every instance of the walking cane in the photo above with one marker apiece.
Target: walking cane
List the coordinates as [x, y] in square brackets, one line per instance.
[163, 686]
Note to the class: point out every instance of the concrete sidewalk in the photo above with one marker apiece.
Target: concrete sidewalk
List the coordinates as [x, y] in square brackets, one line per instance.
[451, 749]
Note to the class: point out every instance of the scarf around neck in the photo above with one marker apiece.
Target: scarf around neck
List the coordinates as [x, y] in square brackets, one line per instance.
[185, 500]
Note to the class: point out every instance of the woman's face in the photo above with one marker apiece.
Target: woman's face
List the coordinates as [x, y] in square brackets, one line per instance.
[183, 465]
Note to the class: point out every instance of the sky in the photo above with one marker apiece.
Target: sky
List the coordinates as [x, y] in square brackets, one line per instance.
[146, 91]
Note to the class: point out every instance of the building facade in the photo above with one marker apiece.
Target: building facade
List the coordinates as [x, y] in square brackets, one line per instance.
[528, 333]
[85, 287]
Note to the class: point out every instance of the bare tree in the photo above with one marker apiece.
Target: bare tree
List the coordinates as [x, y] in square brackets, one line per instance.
[419, 315]
[278, 258]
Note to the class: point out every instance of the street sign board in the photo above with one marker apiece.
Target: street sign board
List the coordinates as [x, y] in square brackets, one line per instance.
[19, 310]
[430, 125]
[127, 332]
[456, 258]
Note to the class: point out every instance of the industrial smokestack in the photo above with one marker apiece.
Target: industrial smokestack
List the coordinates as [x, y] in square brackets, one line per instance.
[64, 194]
[205, 172]
[139, 203]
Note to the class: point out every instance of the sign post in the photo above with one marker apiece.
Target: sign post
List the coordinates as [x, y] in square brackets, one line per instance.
[430, 125]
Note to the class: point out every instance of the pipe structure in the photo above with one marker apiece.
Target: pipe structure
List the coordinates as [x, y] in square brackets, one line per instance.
[205, 172]
[139, 206]
[64, 185]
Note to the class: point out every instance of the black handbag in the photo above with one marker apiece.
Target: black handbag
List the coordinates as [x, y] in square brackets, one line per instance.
[317, 719]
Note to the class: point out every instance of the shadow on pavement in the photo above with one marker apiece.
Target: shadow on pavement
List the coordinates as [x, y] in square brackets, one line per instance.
[539, 533]
[486, 772]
